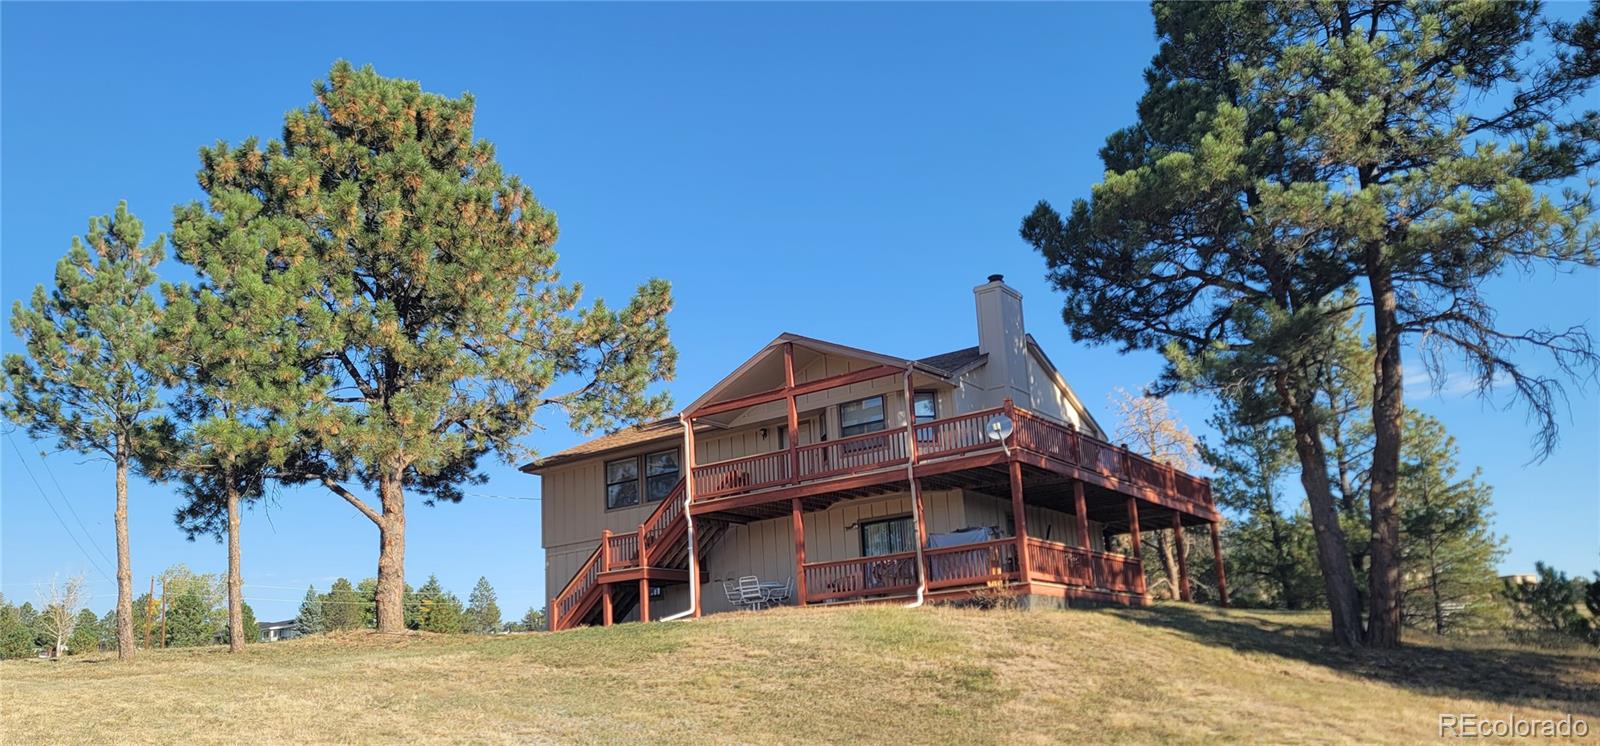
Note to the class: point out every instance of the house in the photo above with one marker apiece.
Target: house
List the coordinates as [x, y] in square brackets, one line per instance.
[275, 631]
[847, 475]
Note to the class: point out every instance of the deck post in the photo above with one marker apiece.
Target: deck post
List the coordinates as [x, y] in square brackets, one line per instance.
[605, 550]
[688, 515]
[644, 600]
[916, 486]
[1019, 517]
[1181, 547]
[605, 604]
[1080, 507]
[794, 414]
[797, 527]
[1216, 553]
[1133, 535]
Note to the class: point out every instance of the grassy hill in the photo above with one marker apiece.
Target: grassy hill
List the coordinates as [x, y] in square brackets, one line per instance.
[1172, 673]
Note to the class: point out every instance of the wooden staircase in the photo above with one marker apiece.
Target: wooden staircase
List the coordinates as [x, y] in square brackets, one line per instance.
[657, 552]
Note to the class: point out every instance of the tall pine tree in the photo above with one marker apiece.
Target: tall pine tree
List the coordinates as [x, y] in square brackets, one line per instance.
[426, 306]
[1286, 152]
[483, 613]
[309, 621]
[86, 379]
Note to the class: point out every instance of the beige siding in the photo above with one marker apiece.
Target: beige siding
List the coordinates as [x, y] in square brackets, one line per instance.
[1043, 523]
[1048, 398]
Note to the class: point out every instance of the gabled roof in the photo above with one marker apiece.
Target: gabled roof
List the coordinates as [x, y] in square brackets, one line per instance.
[947, 365]
[810, 343]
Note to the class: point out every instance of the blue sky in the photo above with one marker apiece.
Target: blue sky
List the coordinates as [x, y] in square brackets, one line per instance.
[788, 168]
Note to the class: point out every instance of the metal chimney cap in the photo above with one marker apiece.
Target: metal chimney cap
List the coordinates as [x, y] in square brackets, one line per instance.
[997, 278]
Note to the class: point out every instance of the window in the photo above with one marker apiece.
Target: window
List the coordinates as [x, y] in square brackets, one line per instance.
[652, 475]
[660, 474]
[857, 417]
[888, 536]
[622, 483]
[925, 406]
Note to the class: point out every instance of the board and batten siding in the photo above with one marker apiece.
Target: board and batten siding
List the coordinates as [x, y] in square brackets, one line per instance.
[1043, 523]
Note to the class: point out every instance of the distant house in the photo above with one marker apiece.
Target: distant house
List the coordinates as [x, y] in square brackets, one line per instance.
[835, 474]
[275, 631]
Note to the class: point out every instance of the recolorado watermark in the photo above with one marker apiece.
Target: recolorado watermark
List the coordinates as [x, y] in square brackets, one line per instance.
[1471, 725]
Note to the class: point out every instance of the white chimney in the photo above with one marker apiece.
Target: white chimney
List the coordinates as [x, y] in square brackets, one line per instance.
[1004, 339]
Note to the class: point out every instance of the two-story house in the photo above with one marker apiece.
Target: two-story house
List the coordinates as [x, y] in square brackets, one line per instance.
[846, 475]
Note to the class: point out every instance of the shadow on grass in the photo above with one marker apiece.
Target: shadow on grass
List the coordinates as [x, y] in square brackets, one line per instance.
[1510, 675]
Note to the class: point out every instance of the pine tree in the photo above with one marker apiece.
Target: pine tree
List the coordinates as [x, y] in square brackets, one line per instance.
[483, 613]
[1450, 554]
[252, 628]
[1288, 152]
[86, 634]
[189, 619]
[85, 380]
[310, 621]
[16, 632]
[238, 387]
[534, 620]
[424, 299]
[1269, 548]
[1550, 603]
[439, 610]
[342, 607]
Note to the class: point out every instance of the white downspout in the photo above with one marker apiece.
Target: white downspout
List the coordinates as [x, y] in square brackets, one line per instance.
[688, 522]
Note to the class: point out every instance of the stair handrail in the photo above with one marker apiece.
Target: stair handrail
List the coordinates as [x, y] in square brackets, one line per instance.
[662, 517]
[583, 571]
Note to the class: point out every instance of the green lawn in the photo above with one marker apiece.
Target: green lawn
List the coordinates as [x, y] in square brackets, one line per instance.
[1171, 673]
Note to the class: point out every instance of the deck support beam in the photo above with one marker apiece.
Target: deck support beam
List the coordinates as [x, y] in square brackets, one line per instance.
[1181, 547]
[1081, 507]
[1133, 535]
[605, 605]
[1216, 553]
[797, 527]
[794, 413]
[1020, 519]
[644, 600]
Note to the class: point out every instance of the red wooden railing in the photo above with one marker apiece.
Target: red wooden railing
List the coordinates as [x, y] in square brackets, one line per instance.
[854, 454]
[1117, 572]
[990, 562]
[741, 474]
[624, 552]
[571, 597]
[882, 575]
[661, 521]
[958, 434]
[1055, 562]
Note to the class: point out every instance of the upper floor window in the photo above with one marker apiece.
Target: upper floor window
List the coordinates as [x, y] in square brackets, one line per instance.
[622, 482]
[864, 416]
[660, 474]
[651, 476]
[925, 406]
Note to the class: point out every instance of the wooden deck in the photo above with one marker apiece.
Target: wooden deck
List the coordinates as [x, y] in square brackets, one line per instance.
[955, 451]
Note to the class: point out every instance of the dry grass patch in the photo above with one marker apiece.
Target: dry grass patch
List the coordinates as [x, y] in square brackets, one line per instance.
[1173, 673]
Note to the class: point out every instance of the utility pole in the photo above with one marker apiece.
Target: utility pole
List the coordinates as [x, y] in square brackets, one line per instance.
[149, 611]
[163, 613]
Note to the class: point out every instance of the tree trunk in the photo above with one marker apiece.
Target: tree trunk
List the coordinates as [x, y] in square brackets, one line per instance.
[1433, 590]
[235, 583]
[392, 555]
[1333, 555]
[1169, 565]
[124, 563]
[1388, 406]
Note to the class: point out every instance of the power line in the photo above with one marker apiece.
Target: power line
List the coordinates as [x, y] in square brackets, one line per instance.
[74, 511]
[53, 510]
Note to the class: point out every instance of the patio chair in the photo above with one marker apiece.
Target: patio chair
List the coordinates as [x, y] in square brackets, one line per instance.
[750, 593]
[732, 592]
[780, 594]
